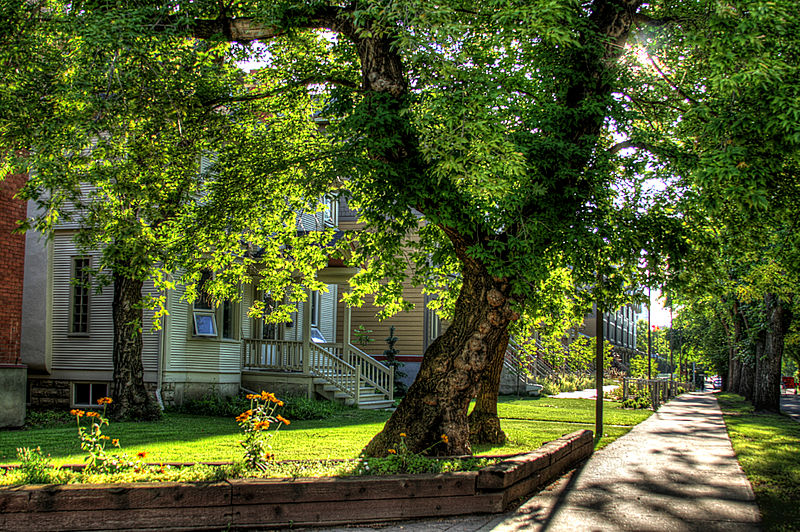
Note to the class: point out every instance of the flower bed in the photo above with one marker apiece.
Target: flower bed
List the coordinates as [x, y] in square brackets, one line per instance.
[289, 502]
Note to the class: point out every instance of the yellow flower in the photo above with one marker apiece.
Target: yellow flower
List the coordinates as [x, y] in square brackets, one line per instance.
[402, 434]
[105, 437]
[284, 420]
[445, 438]
[104, 401]
[392, 451]
[115, 441]
[280, 403]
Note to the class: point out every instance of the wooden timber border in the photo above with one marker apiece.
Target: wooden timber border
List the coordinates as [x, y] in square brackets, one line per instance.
[272, 503]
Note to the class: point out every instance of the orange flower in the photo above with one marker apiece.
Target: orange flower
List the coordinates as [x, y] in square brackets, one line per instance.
[280, 403]
[141, 454]
[261, 425]
[252, 396]
[267, 456]
[392, 451]
[244, 416]
[445, 438]
[402, 434]
[104, 401]
[76, 412]
[105, 437]
[284, 420]
[92, 414]
[115, 441]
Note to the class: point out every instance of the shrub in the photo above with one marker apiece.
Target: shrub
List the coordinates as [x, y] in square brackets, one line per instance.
[303, 408]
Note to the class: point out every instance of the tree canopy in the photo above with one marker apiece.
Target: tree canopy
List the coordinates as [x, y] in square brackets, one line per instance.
[489, 143]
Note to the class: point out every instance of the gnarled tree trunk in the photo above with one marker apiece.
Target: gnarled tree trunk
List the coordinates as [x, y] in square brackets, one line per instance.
[767, 384]
[484, 424]
[131, 399]
[433, 413]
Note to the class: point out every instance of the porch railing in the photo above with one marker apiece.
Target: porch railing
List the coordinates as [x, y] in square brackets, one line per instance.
[275, 355]
[341, 367]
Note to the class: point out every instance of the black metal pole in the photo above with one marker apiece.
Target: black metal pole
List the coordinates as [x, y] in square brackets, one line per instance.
[598, 412]
[649, 338]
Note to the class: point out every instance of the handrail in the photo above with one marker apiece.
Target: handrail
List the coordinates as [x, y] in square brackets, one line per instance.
[347, 369]
[335, 371]
[373, 372]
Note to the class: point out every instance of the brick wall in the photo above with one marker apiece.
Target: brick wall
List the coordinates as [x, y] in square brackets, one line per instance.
[12, 262]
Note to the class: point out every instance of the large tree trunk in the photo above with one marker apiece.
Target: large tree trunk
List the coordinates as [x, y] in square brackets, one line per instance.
[767, 385]
[131, 399]
[748, 373]
[484, 424]
[433, 414]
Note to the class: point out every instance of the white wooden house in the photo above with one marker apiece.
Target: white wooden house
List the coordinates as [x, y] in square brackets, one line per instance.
[67, 337]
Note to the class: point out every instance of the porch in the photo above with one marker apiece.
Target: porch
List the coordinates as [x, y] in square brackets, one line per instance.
[337, 371]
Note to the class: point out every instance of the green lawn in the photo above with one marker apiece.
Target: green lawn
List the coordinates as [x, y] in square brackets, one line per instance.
[768, 449]
[185, 438]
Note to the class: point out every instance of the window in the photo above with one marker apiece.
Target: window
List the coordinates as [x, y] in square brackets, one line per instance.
[87, 393]
[315, 308]
[209, 320]
[204, 317]
[79, 296]
[330, 214]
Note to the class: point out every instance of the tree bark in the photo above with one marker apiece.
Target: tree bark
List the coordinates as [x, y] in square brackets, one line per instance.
[734, 364]
[131, 398]
[767, 385]
[484, 423]
[433, 415]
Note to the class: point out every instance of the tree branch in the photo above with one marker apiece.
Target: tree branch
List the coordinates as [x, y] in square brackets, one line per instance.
[280, 90]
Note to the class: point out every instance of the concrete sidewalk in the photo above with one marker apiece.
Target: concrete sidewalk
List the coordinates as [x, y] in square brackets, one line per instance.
[676, 471]
[790, 405]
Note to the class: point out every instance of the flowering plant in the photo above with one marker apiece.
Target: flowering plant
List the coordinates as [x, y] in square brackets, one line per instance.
[255, 423]
[94, 442]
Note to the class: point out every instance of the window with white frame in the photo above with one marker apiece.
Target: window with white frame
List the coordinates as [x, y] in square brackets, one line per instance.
[204, 316]
[209, 320]
[330, 214]
[79, 295]
[314, 308]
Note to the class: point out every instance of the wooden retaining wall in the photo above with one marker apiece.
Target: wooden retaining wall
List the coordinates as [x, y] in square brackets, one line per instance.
[260, 503]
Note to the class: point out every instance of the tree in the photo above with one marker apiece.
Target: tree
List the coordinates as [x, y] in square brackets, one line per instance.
[116, 129]
[500, 134]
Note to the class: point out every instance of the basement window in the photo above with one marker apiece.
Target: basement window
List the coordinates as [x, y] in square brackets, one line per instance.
[87, 393]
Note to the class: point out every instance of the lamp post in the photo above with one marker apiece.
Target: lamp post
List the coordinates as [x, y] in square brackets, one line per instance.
[649, 338]
[598, 407]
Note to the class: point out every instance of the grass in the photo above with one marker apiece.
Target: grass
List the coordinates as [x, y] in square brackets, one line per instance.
[767, 448]
[528, 422]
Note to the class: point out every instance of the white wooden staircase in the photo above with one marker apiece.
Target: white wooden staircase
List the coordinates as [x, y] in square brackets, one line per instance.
[338, 372]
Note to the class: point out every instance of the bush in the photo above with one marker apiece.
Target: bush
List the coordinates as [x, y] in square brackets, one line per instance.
[295, 408]
[566, 383]
[636, 402]
[47, 418]
[34, 467]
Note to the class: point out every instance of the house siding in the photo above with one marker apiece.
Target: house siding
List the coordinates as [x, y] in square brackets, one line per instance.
[72, 352]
